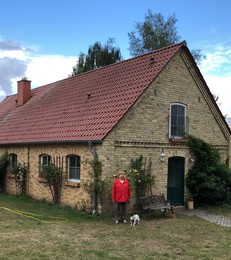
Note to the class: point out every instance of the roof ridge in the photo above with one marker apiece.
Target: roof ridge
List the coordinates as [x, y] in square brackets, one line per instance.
[182, 43]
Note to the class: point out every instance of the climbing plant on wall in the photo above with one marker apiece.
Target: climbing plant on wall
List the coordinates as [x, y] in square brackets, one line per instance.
[3, 167]
[98, 189]
[3, 161]
[20, 177]
[140, 177]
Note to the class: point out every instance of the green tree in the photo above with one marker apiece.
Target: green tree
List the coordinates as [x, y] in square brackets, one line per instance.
[53, 179]
[155, 33]
[98, 56]
[209, 181]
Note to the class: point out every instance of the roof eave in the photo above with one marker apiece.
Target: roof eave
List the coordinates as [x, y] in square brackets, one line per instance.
[54, 142]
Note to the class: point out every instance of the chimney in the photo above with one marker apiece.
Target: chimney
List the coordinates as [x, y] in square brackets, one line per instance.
[24, 91]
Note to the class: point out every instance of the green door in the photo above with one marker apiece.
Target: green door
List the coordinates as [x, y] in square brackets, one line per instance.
[175, 190]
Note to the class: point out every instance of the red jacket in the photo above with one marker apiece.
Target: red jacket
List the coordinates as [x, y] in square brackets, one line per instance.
[121, 191]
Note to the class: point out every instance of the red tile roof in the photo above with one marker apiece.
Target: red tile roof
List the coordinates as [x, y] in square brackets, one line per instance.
[83, 107]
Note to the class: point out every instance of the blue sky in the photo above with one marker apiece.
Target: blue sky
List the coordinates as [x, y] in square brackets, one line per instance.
[42, 39]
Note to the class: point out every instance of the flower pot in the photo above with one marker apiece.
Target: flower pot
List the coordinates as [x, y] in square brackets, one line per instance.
[190, 204]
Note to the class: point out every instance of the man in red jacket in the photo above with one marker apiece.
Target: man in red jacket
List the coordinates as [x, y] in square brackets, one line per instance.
[121, 194]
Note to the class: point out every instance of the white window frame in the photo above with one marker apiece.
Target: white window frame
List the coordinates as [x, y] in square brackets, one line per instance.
[177, 134]
[76, 168]
[13, 160]
[48, 159]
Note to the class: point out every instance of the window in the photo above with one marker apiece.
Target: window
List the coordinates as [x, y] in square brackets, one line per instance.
[45, 159]
[12, 160]
[177, 124]
[74, 167]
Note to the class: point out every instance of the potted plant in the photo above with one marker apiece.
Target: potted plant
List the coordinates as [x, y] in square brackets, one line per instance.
[190, 203]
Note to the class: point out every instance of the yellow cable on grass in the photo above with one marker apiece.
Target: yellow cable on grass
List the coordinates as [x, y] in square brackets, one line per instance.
[34, 216]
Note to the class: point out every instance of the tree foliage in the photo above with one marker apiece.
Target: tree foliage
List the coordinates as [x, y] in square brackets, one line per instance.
[209, 181]
[97, 56]
[155, 33]
[53, 179]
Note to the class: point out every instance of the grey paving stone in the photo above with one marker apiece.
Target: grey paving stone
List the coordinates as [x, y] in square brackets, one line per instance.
[217, 219]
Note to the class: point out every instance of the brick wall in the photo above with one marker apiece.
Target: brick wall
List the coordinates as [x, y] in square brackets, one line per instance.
[71, 192]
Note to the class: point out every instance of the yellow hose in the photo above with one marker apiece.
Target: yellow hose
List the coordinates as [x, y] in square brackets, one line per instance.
[34, 216]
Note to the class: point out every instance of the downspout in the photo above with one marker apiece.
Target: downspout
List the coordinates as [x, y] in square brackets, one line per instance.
[28, 169]
[94, 199]
[229, 152]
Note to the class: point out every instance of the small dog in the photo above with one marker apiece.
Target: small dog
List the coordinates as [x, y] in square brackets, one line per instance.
[134, 219]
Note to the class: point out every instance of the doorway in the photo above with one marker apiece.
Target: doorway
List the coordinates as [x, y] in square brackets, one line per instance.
[175, 186]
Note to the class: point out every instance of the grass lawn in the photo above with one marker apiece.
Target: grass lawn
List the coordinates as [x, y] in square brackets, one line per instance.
[36, 230]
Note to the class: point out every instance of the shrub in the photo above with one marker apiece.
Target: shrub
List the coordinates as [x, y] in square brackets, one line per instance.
[53, 176]
[209, 181]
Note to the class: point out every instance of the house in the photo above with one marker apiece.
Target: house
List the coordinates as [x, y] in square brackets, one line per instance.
[145, 105]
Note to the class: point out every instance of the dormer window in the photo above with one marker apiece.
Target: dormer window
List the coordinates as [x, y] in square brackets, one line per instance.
[177, 121]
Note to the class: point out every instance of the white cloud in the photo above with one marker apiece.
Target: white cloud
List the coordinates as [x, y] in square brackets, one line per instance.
[49, 68]
[221, 87]
[218, 60]
[16, 54]
[40, 69]
[10, 68]
[216, 70]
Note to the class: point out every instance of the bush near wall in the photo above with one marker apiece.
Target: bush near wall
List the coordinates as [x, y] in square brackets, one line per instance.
[209, 180]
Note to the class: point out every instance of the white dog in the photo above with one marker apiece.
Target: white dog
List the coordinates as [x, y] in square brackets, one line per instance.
[134, 219]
